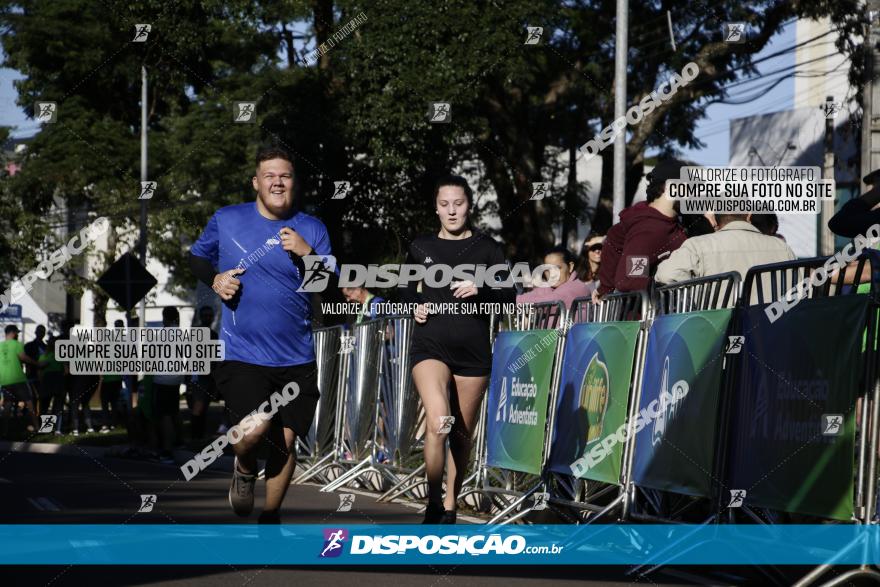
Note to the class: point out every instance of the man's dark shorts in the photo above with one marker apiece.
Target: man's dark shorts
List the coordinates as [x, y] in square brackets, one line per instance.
[245, 386]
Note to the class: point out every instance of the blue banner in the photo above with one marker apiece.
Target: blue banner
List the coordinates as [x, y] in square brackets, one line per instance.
[678, 407]
[238, 544]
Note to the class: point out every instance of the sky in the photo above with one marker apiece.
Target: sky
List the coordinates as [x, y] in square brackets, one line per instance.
[713, 130]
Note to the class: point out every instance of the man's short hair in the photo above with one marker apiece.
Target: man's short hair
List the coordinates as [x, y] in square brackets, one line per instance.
[657, 177]
[269, 153]
[725, 218]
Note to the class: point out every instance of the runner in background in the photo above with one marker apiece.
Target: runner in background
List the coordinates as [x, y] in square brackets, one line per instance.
[450, 353]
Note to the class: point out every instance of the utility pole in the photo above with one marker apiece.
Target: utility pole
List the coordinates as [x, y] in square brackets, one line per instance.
[871, 95]
[621, 45]
[826, 238]
[142, 243]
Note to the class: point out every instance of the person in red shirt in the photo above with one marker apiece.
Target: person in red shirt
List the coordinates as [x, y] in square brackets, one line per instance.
[646, 235]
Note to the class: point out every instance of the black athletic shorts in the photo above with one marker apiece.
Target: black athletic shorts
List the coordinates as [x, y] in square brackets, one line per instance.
[245, 386]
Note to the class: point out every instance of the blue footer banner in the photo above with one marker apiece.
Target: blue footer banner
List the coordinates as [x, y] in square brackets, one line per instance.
[417, 545]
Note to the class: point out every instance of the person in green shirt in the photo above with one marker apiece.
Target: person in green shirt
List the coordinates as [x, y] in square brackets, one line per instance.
[12, 377]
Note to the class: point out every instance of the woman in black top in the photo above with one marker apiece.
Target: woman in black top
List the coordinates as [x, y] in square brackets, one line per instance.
[451, 354]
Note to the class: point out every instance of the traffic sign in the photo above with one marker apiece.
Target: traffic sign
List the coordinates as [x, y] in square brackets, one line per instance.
[126, 281]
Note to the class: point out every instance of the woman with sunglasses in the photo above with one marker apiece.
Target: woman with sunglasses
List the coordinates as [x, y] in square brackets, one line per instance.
[587, 268]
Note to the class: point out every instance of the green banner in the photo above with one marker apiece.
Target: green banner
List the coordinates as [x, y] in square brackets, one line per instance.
[793, 432]
[593, 397]
[519, 390]
[678, 407]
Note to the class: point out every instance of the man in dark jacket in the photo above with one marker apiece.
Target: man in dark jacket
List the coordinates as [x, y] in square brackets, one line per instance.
[646, 234]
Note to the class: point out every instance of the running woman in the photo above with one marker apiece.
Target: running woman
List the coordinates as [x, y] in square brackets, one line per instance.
[450, 353]
[251, 256]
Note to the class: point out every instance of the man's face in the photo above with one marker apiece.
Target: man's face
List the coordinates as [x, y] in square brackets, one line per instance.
[41, 332]
[353, 294]
[274, 186]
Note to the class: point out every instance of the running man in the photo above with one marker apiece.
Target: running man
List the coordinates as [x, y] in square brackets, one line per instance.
[265, 322]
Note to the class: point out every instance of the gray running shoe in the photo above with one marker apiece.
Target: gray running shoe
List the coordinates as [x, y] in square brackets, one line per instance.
[241, 491]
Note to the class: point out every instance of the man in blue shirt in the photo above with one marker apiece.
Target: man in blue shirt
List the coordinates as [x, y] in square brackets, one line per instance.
[251, 255]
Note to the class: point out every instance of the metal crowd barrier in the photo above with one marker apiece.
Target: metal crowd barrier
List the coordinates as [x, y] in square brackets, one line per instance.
[361, 403]
[769, 283]
[713, 292]
[320, 445]
[402, 412]
[587, 496]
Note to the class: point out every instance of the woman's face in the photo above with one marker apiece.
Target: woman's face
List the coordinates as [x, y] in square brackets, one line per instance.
[557, 261]
[452, 208]
[594, 248]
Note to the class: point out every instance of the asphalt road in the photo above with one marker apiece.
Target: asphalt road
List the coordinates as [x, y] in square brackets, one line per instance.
[86, 487]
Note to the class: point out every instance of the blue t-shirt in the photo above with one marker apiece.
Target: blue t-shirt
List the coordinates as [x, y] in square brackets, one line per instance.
[268, 323]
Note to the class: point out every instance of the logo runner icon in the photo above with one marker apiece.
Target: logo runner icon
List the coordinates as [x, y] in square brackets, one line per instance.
[317, 271]
[47, 423]
[333, 539]
[141, 32]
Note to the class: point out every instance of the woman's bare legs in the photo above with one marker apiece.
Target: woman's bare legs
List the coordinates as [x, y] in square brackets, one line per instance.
[465, 401]
[431, 378]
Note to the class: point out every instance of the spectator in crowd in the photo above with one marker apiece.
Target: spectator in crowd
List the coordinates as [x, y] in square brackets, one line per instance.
[587, 266]
[126, 390]
[859, 214]
[166, 395]
[698, 224]
[767, 223]
[367, 300]
[565, 288]
[52, 380]
[737, 246]
[855, 218]
[201, 389]
[34, 349]
[646, 234]
[111, 392]
[13, 380]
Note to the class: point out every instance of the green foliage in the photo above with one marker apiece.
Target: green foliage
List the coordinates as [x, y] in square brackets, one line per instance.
[359, 115]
